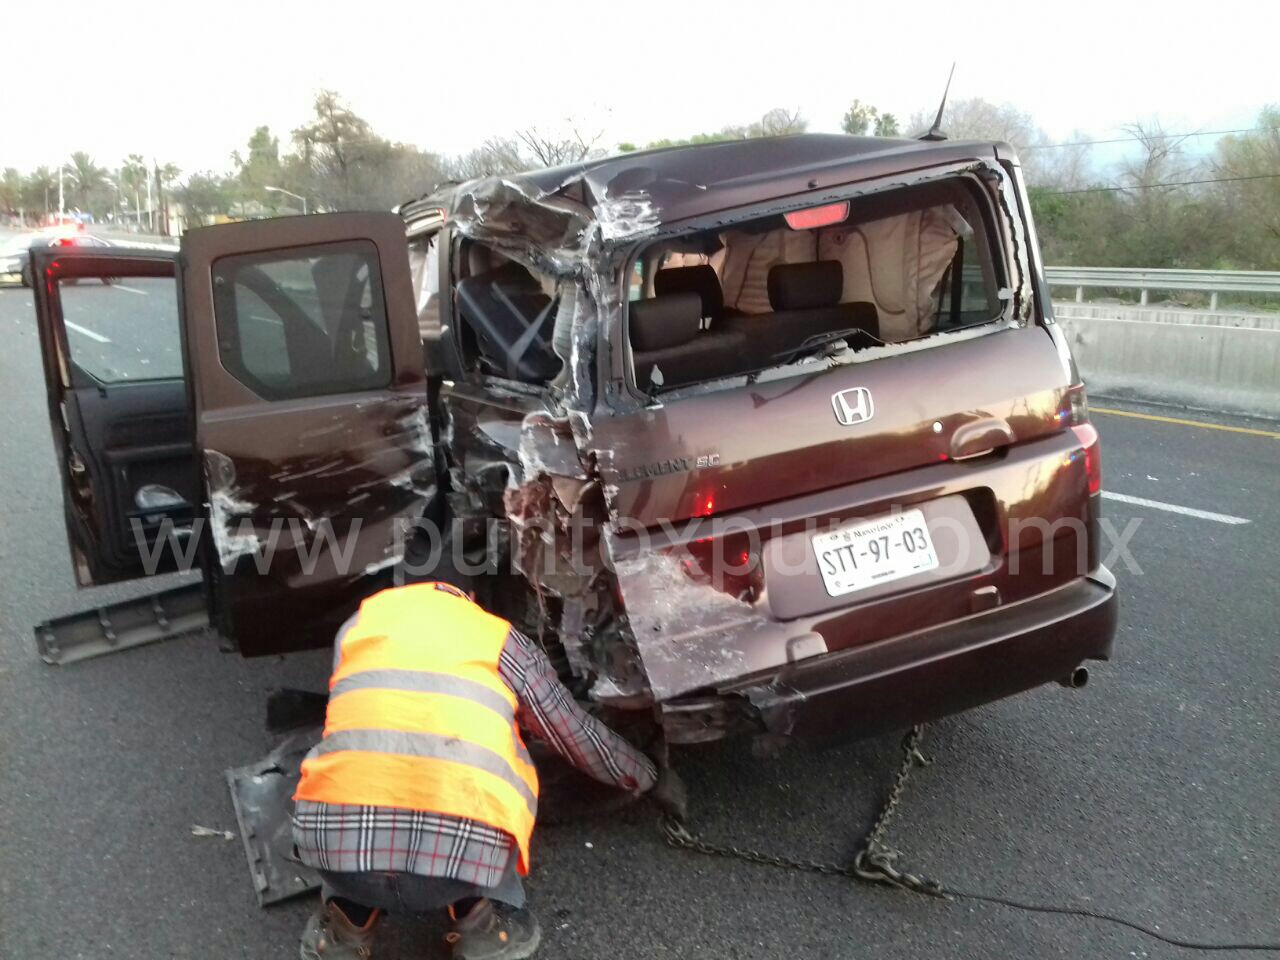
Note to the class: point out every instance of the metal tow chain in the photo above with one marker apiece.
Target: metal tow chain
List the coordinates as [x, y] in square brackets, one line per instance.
[875, 859]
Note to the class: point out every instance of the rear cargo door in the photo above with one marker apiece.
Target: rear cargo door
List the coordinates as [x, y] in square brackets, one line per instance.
[310, 403]
[111, 345]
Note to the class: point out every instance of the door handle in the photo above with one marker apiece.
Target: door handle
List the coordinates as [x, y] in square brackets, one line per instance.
[979, 438]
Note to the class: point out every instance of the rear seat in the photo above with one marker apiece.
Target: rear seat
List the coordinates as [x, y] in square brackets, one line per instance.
[688, 334]
[667, 336]
[700, 279]
[806, 301]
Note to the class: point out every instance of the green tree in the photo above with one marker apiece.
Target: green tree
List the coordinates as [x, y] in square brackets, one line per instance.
[1251, 206]
[88, 181]
[777, 122]
[133, 181]
[330, 147]
[259, 168]
[886, 125]
[11, 190]
[203, 197]
[163, 179]
[40, 191]
[858, 118]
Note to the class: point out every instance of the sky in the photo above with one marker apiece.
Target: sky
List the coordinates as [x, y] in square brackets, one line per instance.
[187, 82]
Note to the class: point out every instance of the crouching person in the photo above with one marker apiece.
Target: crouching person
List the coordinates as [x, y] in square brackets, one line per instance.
[421, 795]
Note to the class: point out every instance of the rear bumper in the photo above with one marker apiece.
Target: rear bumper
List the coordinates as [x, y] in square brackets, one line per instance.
[915, 677]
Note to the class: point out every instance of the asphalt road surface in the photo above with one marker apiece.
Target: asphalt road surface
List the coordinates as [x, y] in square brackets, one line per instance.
[1151, 793]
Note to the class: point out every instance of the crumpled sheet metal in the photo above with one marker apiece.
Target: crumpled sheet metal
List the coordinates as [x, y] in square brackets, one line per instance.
[689, 635]
[387, 478]
[546, 229]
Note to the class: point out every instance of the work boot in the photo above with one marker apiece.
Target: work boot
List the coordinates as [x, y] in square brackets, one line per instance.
[331, 936]
[495, 931]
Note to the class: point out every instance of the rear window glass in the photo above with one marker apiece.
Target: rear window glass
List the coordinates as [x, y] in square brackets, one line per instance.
[305, 322]
[898, 266]
[123, 329]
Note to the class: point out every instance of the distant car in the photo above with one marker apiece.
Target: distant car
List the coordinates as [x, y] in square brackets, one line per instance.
[15, 259]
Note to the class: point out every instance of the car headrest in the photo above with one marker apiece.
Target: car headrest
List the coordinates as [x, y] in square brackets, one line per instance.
[664, 322]
[803, 286]
[700, 279]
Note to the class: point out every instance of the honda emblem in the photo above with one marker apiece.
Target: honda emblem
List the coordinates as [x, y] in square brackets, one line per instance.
[853, 406]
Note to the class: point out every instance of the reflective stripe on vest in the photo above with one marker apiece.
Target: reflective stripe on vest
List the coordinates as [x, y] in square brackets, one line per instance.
[420, 719]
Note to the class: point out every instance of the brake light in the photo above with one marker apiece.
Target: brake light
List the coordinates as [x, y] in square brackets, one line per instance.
[815, 217]
[1087, 434]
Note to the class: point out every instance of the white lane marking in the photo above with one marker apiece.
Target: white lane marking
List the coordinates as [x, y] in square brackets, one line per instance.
[88, 333]
[121, 286]
[1174, 508]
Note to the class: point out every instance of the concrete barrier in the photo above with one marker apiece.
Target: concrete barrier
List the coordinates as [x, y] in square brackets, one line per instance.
[1209, 365]
[1166, 314]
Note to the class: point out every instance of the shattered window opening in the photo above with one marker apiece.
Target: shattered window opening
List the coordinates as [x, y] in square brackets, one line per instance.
[506, 316]
[749, 296]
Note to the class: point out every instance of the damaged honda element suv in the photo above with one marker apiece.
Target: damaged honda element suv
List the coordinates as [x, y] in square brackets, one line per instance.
[770, 435]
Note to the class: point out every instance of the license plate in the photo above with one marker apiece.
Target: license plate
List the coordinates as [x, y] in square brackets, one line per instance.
[874, 551]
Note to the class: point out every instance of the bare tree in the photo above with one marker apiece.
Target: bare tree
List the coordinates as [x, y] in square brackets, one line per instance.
[553, 150]
[778, 122]
[496, 157]
[1067, 166]
[1162, 157]
[979, 119]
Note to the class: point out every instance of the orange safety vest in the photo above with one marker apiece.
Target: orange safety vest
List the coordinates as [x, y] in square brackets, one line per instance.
[420, 719]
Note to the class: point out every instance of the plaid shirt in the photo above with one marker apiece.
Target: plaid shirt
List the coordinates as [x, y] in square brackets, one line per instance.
[352, 839]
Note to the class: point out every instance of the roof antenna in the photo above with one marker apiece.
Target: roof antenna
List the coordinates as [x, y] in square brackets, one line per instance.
[935, 132]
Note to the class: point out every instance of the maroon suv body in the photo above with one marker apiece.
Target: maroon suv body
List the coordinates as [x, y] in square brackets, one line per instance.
[773, 435]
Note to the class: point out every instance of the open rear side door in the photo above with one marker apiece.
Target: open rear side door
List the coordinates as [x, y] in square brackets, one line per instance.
[310, 418]
[111, 346]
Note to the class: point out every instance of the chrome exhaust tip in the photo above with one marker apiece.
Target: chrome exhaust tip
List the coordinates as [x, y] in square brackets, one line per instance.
[1076, 679]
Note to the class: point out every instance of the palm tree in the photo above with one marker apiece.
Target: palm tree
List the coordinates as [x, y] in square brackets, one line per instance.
[88, 176]
[133, 177]
[39, 189]
[10, 190]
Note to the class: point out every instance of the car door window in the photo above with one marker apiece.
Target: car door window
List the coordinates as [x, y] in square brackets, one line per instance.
[263, 349]
[122, 330]
[310, 323]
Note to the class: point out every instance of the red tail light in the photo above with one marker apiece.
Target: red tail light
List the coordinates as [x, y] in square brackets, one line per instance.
[1088, 437]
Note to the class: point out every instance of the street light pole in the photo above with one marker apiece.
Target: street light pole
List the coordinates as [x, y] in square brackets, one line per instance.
[290, 193]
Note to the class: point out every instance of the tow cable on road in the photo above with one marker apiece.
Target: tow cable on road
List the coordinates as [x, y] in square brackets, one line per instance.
[875, 861]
